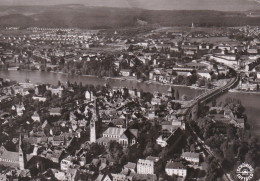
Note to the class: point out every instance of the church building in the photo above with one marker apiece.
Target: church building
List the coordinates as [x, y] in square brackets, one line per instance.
[13, 159]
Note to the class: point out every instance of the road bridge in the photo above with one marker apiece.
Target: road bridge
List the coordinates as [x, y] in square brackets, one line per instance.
[204, 98]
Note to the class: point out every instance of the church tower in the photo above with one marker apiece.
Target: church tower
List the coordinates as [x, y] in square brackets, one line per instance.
[22, 159]
[93, 134]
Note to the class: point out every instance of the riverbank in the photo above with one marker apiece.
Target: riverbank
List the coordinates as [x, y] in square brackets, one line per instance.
[242, 91]
[175, 85]
[41, 77]
[130, 79]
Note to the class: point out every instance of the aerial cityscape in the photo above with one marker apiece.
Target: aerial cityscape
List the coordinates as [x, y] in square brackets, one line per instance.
[129, 90]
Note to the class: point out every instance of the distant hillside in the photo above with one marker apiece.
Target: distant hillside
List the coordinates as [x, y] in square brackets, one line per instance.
[218, 5]
[15, 20]
[98, 17]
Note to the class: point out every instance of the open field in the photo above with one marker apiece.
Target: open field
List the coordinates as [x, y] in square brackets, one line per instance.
[211, 40]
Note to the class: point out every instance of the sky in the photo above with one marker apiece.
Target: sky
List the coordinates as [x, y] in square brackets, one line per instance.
[221, 5]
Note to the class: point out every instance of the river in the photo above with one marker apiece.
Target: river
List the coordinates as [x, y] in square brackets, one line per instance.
[53, 78]
[250, 101]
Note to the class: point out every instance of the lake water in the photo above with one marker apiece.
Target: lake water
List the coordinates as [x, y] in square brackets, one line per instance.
[251, 102]
[53, 78]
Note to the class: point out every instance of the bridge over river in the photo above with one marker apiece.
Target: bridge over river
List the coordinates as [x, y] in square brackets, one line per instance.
[192, 109]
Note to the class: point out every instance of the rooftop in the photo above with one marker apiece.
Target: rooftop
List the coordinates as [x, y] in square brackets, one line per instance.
[190, 155]
[174, 165]
[115, 131]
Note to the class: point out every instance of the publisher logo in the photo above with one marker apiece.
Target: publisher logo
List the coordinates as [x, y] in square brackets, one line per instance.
[245, 172]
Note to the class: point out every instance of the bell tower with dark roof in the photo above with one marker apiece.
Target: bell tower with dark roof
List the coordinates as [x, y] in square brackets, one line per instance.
[93, 134]
[22, 159]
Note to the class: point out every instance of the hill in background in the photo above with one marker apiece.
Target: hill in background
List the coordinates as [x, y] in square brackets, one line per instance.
[78, 16]
[218, 5]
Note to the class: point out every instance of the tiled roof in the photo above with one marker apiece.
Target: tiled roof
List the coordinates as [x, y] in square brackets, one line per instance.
[100, 177]
[118, 121]
[152, 158]
[114, 131]
[123, 136]
[173, 165]
[35, 114]
[58, 138]
[57, 153]
[55, 110]
[190, 155]
[125, 172]
[134, 132]
[130, 165]
[14, 156]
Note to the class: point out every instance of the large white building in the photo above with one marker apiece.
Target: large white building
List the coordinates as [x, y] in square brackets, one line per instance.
[225, 59]
[20, 109]
[35, 117]
[175, 168]
[191, 157]
[204, 73]
[55, 90]
[66, 163]
[146, 166]
[89, 96]
[123, 136]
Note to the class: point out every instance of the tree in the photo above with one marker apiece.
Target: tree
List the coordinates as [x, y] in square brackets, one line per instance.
[188, 81]
[214, 103]
[256, 173]
[252, 157]
[189, 140]
[96, 149]
[130, 48]
[184, 98]
[213, 171]
[177, 96]
[48, 69]
[148, 151]
[12, 91]
[115, 150]
[231, 132]
[176, 106]
[201, 82]
[208, 85]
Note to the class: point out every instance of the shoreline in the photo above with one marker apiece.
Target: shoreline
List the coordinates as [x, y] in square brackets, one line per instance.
[243, 92]
[126, 79]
